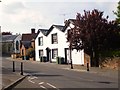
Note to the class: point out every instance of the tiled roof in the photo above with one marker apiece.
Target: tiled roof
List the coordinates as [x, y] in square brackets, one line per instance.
[8, 38]
[44, 31]
[60, 27]
[28, 37]
[26, 44]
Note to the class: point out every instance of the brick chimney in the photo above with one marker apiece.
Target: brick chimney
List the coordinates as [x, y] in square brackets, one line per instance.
[33, 30]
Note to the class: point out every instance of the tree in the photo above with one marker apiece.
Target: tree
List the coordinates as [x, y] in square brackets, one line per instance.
[117, 13]
[93, 33]
[30, 52]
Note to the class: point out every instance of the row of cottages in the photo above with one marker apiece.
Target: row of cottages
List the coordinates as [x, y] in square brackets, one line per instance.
[52, 43]
[10, 44]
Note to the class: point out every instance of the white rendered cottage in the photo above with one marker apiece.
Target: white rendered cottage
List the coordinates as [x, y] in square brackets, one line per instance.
[52, 43]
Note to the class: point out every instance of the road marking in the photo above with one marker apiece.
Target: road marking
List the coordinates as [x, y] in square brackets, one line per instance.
[34, 77]
[52, 86]
[29, 79]
[43, 87]
[41, 83]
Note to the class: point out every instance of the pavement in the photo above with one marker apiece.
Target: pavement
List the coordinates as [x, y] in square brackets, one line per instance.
[10, 78]
[112, 73]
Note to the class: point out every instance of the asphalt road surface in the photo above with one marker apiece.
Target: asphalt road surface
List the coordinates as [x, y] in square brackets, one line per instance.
[46, 76]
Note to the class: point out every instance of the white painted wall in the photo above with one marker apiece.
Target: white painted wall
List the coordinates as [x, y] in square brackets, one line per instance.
[77, 57]
[37, 47]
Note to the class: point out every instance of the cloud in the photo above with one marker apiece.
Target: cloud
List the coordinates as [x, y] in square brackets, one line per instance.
[13, 8]
[73, 1]
[17, 12]
[20, 16]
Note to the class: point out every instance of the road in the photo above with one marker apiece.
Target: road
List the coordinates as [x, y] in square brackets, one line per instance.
[46, 76]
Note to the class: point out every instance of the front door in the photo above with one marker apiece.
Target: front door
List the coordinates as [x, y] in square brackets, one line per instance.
[67, 56]
[48, 53]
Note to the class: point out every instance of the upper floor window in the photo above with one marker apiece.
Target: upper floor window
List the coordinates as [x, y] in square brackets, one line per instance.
[54, 38]
[40, 41]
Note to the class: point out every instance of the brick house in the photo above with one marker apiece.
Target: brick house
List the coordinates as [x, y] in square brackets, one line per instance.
[27, 41]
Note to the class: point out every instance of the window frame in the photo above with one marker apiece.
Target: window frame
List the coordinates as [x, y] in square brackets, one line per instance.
[17, 45]
[53, 53]
[40, 41]
[41, 50]
[54, 38]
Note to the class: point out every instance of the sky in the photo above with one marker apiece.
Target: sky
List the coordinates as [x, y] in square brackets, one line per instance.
[19, 16]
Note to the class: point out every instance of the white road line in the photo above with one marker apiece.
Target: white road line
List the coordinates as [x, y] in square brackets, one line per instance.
[31, 81]
[43, 87]
[41, 83]
[28, 77]
[34, 77]
[52, 86]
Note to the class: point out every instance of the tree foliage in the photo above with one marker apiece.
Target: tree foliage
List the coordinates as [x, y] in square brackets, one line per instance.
[30, 52]
[93, 33]
[117, 13]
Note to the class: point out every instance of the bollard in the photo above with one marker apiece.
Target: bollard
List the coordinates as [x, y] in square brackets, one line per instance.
[87, 66]
[21, 68]
[13, 66]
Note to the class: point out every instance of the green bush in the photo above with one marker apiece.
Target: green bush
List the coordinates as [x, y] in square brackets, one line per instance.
[30, 52]
[18, 56]
[112, 53]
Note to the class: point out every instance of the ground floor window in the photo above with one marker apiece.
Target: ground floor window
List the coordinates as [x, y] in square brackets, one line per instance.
[54, 53]
[40, 53]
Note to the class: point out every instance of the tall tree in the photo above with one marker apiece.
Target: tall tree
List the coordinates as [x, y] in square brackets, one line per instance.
[93, 33]
[117, 13]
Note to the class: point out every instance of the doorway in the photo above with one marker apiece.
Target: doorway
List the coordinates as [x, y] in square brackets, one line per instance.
[48, 53]
[67, 57]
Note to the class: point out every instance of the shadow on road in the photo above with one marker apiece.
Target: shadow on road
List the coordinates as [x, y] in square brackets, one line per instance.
[45, 75]
[106, 82]
[40, 74]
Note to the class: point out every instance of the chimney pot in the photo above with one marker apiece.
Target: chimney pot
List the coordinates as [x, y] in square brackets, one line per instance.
[33, 30]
